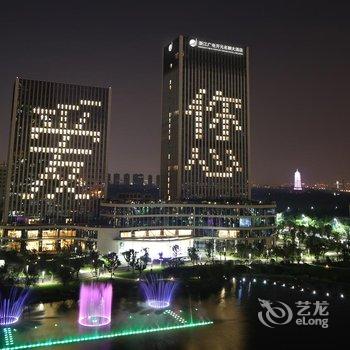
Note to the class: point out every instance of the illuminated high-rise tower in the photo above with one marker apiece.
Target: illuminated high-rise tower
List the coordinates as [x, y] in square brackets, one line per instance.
[205, 121]
[297, 181]
[57, 152]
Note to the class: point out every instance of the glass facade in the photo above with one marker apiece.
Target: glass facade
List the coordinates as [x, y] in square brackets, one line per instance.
[205, 121]
[214, 220]
[48, 239]
[57, 152]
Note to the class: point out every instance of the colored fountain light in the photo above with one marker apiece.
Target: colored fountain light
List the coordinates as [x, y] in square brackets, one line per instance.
[95, 304]
[158, 292]
[11, 307]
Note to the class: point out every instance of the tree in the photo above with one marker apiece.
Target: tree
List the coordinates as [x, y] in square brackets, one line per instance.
[142, 261]
[277, 251]
[193, 254]
[345, 251]
[258, 248]
[76, 263]
[209, 249]
[140, 265]
[175, 262]
[160, 257]
[31, 275]
[291, 251]
[64, 274]
[28, 264]
[130, 257]
[293, 234]
[14, 267]
[11, 257]
[111, 262]
[60, 265]
[327, 230]
[301, 235]
[316, 246]
[242, 250]
[95, 259]
[221, 249]
[9, 274]
[175, 248]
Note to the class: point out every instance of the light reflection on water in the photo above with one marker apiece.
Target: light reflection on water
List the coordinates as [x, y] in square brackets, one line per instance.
[234, 312]
[222, 310]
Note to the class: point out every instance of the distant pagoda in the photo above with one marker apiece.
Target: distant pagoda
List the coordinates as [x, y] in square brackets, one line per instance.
[297, 181]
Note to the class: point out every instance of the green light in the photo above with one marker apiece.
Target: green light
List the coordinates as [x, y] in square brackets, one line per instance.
[110, 335]
[175, 316]
[8, 336]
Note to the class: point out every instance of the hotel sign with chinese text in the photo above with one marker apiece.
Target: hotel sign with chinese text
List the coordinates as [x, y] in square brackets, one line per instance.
[216, 47]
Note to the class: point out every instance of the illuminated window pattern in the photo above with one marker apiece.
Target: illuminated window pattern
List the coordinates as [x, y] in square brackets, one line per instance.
[223, 123]
[196, 109]
[168, 178]
[70, 168]
[59, 153]
[205, 152]
[47, 238]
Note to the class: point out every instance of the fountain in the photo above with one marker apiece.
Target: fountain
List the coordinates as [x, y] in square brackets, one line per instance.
[95, 304]
[158, 292]
[11, 308]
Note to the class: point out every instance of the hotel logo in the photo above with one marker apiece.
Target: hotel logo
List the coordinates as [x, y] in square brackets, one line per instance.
[277, 313]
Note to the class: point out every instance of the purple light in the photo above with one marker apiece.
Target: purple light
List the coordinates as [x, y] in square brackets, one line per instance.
[95, 304]
[158, 292]
[11, 308]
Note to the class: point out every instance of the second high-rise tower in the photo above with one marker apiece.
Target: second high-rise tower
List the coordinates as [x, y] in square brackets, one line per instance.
[205, 121]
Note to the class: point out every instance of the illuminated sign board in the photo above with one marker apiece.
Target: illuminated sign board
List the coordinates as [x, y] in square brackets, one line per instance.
[245, 222]
[216, 47]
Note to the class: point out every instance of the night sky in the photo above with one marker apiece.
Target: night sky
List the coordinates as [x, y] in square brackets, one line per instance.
[300, 72]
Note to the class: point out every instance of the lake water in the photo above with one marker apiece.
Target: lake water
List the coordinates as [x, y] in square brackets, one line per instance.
[234, 311]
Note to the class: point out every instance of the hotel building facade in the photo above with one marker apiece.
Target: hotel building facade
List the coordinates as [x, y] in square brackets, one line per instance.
[205, 121]
[57, 152]
[57, 162]
[48, 238]
[157, 226]
[160, 226]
